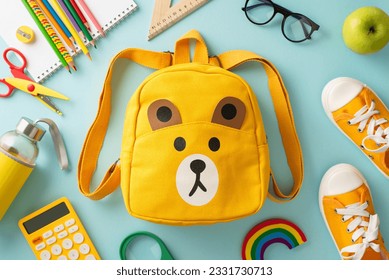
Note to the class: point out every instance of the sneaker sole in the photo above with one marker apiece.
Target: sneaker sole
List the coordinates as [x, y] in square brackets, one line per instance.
[324, 99]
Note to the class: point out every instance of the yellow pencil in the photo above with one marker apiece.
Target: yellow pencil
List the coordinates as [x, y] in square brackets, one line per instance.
[69, 26]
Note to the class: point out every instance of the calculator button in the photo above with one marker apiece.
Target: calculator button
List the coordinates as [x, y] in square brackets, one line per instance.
[47, 234]
[90, 257]
[45, 255]
[84, 249]
[37, 240]
[67, 244]
[62, 258]
[59, 228]
[40, 246]
[56, 250]
[70, 222]
[62, 234]
[73, 229]
[78, 238]
[51, 240]
[73, 254]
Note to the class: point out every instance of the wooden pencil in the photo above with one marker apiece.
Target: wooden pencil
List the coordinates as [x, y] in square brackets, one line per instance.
[80, 14]
[91, 17]
[79, 22]
[71, 18]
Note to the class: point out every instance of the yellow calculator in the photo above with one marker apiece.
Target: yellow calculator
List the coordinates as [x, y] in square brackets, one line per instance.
[55, 232]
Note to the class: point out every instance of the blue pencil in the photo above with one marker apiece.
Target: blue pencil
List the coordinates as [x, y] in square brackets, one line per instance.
[58, 19]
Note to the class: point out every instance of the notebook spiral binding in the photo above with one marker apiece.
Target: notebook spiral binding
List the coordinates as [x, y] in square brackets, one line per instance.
[116, 20]
[96, 36]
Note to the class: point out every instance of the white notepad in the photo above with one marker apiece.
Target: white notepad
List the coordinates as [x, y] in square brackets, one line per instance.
[41, 59]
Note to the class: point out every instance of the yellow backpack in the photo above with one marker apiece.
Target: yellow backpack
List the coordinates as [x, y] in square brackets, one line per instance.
[194, 148]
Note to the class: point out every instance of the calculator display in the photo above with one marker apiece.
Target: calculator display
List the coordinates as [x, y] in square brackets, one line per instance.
[46, 218]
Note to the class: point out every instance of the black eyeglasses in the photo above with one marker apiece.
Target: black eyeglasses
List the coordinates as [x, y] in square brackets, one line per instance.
[295, 27]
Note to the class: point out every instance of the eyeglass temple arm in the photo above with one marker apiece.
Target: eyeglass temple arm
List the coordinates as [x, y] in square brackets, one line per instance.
[307, 35]
[285, 11]
[311, 23]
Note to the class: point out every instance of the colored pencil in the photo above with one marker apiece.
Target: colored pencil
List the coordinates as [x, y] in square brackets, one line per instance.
[56, 25]
[91, 17]
[65, 20]
[53, 35]
[79, 21]
[45, 34]
[80, 14]
[71, 18]
[57, 19]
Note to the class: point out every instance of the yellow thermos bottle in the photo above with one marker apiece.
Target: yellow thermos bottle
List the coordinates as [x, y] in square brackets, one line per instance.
[18, 153]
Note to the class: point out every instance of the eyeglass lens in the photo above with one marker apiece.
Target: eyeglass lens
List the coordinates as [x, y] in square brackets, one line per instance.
[295, 27]
[259, 11]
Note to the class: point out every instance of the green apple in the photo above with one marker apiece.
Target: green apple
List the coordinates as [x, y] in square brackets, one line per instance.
[366, 30]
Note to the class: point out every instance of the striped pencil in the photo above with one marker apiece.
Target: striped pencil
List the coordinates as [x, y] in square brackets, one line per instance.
[45, 34]
[56, 25]
[68, 24]
[53, 35]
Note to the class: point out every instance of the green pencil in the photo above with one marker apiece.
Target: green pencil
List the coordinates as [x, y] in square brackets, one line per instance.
[79, 22]
[46, 35]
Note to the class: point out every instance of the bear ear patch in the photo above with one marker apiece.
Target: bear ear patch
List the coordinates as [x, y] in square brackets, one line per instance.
[230, 111]
[163, 113]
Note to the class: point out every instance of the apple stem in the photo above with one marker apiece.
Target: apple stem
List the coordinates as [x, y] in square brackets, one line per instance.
[371, 30]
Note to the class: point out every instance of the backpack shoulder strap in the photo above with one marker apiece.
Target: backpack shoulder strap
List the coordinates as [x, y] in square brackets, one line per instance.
[284, 114]
[95, 137]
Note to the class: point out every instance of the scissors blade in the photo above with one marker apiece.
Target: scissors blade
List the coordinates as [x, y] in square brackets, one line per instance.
[47, 101]
[34, 88]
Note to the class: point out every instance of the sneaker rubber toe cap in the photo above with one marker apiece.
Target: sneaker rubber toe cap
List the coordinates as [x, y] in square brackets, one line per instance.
[339, 179]
[339, 92]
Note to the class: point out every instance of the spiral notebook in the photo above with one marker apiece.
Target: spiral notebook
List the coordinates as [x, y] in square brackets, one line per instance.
[42, 61]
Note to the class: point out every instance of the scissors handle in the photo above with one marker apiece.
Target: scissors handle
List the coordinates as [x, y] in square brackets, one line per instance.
[17, 71]
[9, 87]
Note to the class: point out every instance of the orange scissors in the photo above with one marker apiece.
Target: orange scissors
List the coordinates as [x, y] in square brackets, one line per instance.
[22, 82]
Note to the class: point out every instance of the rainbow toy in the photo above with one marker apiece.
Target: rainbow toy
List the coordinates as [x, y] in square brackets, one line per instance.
[271, 231]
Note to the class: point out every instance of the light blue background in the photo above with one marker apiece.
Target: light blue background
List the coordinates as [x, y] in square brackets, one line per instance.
[305, 68]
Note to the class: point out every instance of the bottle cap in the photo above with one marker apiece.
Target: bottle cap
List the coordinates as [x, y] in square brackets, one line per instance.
[30, 129]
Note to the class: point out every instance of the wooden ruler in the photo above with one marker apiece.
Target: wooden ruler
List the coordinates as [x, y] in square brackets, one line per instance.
[165, 16]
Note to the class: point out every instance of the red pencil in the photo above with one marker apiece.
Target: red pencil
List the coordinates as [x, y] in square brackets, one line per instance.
[80, 14]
